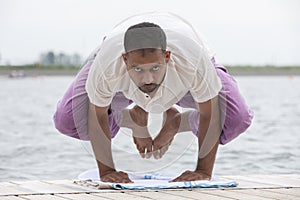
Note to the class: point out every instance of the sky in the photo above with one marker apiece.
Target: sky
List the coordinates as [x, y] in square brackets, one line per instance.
[241, 32]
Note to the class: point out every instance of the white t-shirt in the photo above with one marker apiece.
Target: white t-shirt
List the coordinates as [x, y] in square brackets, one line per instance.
[189, 70]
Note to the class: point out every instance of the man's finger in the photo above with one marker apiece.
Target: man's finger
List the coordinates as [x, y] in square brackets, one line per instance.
[119, 177]
[125, 178]
[109, 178]
[115, 177]
[189, 176]
[181, 177]
[176, 179]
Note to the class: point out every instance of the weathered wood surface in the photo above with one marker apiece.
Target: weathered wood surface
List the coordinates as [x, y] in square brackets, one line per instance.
[262, 187]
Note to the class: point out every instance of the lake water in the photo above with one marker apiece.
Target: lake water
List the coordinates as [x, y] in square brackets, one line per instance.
[31, 148]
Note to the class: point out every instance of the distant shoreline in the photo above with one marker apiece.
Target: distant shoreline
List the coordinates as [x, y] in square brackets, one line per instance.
[235, 71]
[256, 71]
[42, 72]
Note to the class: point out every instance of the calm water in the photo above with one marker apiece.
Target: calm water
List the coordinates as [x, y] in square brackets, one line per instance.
[31, 148]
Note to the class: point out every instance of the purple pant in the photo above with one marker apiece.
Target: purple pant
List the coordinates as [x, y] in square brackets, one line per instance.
[70, 117]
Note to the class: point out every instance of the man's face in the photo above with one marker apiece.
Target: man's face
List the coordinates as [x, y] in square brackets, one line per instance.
[147, 69]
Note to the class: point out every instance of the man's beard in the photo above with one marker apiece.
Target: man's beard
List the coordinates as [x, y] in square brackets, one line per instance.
[148, 88]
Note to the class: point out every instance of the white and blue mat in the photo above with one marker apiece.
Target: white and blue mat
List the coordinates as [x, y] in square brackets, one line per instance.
[156, 181]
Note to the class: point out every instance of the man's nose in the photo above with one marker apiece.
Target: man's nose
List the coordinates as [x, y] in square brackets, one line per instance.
[147, 78]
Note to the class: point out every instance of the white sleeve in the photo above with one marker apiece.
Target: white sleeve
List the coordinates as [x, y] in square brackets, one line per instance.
[97, 85]
[206, 83]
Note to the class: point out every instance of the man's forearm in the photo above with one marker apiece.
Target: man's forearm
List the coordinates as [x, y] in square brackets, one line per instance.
[99, 132]
[208, 147]
[208, 138]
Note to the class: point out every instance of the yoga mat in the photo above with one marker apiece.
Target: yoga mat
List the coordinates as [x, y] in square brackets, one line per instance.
[155, 181]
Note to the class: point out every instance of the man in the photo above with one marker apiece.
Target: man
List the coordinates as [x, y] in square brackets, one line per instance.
[154, 66]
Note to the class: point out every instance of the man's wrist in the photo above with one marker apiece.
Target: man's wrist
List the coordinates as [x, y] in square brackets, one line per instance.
[206, 172]
[107, 171]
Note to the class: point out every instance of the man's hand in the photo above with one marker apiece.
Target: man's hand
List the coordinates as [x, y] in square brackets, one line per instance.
[191, 176]
[116, 177]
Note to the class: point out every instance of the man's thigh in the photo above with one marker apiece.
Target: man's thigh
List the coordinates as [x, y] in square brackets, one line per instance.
[236, 116]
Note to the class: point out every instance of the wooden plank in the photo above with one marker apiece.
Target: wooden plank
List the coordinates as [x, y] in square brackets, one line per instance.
[294, 176]
[233, 194]
[42, 197]
[10, 198]
[192, 194]
[290, 191]
[271, 180]
[281, 180]
[250, 182]
[120, 195]
[158, 195]
[72, 186]
[267, 194]
[6, 189]
[92, 185]
[285, 186]
[8, 184]
[38, 187]
[242, 183]
[81, 196]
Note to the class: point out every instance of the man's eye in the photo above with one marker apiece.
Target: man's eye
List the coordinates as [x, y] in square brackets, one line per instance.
[155, 68]
[137, 69]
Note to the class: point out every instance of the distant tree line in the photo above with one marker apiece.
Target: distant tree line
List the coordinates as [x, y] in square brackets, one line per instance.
[61, 59]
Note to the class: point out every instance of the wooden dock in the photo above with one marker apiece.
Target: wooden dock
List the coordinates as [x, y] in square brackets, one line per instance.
[284, 186]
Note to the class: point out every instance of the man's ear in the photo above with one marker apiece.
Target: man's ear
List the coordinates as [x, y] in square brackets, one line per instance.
[167, 55]
[124, 56]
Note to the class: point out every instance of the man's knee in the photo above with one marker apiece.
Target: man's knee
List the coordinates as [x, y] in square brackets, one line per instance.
[63, 121]
[234, 126]
[236, 115]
